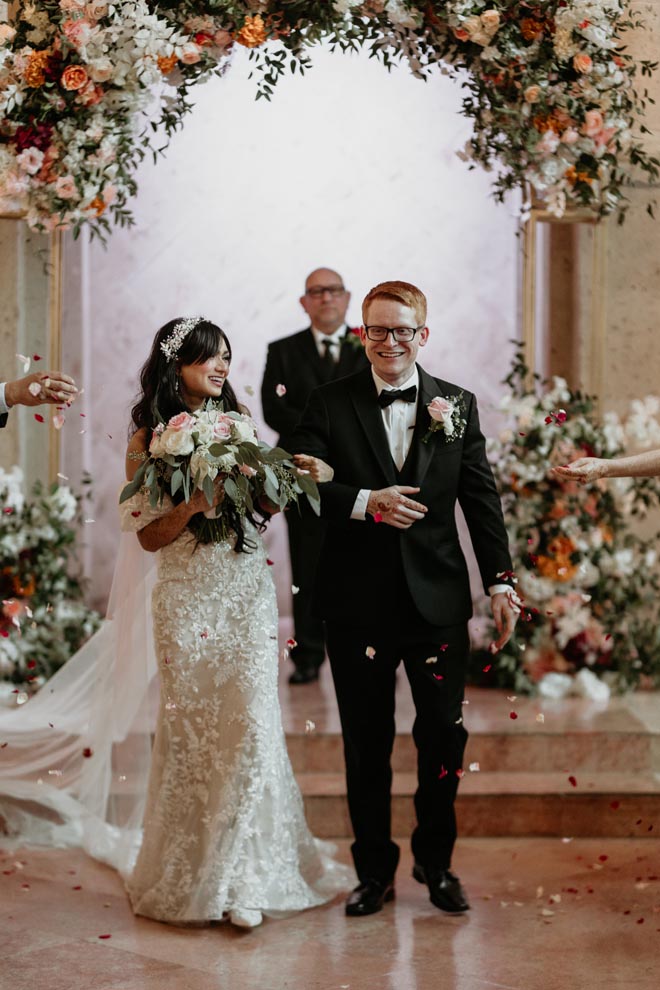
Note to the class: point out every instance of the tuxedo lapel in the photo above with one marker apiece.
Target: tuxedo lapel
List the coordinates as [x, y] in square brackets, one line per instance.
[419, 456]
[364, 396]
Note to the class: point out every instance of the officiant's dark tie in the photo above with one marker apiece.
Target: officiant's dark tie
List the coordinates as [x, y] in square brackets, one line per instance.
[386, 398]
[328, 359]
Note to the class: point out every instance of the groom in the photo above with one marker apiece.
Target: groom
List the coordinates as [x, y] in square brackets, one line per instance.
[393, 585]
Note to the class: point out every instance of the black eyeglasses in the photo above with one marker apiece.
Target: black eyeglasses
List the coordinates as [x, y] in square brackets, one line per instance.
[319, 290]
[400, 334]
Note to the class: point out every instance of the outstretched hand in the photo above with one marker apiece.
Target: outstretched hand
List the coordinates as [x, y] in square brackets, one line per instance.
[41, 387]
[505, 613]
[317, 469]
[393, 507]
[584, 470]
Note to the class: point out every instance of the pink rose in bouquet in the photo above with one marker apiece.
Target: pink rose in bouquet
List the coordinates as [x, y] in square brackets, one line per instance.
[182, 421]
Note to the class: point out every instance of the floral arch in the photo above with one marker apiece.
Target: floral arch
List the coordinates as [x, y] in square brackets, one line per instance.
[87, 89]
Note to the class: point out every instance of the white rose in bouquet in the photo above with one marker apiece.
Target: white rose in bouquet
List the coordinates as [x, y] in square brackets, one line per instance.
[176, 442]
[244, 431]
[200, 464]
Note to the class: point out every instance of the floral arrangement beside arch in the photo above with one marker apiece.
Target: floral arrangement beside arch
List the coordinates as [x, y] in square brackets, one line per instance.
[589, 581]
[43, 618]
[87, 89]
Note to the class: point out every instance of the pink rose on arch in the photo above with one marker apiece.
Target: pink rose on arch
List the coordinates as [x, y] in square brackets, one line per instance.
[439, 409]
[30, 160]
[593, 123]
[182, 421]
[190, 53]
[65, 187]
[570, 136]
[223, 39]
[78, 33]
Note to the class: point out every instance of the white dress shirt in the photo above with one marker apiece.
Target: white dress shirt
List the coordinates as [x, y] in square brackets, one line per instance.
[3, 404]
[399, 421]
[334, 340]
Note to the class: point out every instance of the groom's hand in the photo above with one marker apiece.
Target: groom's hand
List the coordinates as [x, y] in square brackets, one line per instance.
[505, 615]
[392, 506]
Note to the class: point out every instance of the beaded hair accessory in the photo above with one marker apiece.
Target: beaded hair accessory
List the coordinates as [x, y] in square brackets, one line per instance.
[170, 346]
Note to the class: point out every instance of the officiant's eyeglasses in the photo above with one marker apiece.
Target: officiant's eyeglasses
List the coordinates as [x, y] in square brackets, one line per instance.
[319, 290]
[400, 334]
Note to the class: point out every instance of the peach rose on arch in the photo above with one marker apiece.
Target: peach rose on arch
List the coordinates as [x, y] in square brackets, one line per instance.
[582, 63]
[74, 77]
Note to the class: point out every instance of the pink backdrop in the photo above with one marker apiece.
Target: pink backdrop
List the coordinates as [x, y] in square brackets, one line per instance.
[352, 168]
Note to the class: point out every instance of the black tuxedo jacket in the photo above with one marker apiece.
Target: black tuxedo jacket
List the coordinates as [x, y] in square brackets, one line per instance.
[360, 560]
[295, 362]
[3, 420]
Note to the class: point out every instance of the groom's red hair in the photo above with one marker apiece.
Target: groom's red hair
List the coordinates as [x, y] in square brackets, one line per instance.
[403, 292]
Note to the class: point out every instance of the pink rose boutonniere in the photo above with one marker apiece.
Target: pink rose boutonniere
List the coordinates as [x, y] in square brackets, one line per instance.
[446, 415]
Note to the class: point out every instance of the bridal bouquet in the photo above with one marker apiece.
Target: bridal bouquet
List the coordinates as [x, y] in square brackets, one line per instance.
[193, 449]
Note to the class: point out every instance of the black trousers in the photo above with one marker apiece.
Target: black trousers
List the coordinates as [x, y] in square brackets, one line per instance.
[365, 694]
[306, 532]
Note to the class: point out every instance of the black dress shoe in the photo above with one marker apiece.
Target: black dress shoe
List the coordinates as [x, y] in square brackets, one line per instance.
[368, 898]
[304, 675]
[445, 889]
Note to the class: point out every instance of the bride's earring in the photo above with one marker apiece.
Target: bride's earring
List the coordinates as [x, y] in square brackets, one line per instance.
[177, 384]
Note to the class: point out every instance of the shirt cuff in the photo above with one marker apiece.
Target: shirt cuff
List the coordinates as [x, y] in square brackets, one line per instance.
[498, 589]
[360, 504]
[4, 408]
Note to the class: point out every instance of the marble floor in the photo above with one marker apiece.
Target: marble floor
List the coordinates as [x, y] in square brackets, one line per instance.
[546, 915]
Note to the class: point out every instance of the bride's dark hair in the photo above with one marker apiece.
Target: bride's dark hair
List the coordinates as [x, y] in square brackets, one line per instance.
[159, 397]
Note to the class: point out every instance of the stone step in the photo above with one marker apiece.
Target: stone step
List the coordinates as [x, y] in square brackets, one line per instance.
[502, 752]
[618, 805]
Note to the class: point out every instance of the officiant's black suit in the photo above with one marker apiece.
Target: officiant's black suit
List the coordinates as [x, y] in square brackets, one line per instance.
[405, 594]
[295, 362]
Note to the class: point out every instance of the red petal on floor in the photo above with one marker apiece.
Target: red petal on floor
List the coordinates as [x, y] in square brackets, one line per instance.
[105, 936]
[487, 667]
[572, 781]
[39, 418]
[87, 752]
[513, 715]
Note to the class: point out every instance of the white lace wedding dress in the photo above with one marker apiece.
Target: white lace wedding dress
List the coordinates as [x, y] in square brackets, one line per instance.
[224, 827]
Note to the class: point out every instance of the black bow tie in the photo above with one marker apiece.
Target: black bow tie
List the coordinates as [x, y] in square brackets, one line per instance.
[386, 398]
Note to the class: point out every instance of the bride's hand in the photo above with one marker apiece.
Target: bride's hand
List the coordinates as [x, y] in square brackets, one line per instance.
[317, 469]
[198, 501]
[584, 470]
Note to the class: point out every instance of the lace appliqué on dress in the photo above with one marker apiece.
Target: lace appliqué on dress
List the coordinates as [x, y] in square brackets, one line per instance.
[224, 825]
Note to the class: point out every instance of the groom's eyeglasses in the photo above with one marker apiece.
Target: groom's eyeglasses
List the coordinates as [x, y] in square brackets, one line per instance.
[319, 290]
[401, 334]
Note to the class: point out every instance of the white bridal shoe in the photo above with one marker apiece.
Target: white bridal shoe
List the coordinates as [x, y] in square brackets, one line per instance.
[243, 918]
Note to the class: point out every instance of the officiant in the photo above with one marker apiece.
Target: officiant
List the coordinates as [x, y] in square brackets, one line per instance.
[325, 350]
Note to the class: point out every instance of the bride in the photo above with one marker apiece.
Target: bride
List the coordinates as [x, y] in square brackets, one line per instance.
[224, 833]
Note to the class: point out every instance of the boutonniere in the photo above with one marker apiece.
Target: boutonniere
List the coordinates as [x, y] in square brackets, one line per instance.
[352, 338]
[446, 415]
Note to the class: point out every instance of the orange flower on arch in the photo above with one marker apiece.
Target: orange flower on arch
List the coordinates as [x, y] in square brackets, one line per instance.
[253, 33]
